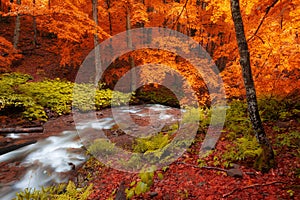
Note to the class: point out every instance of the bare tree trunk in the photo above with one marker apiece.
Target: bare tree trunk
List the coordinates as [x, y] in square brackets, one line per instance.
[129, 44]
[34, 27]
[17, 28]
[266, 161]
[108, 3]
[96, 42]
[1, 9]
[109, 17]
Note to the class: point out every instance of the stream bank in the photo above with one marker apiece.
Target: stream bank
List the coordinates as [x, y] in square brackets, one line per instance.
[58, 152]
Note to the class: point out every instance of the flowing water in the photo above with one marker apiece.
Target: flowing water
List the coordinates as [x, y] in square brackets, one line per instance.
[51, 160]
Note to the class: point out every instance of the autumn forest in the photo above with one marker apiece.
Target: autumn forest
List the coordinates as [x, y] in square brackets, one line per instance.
[253, 46]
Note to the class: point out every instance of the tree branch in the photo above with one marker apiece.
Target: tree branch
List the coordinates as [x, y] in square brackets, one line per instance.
[251, 186]
[263, 19]
[203, 167]
[184, 7]
[260, 24]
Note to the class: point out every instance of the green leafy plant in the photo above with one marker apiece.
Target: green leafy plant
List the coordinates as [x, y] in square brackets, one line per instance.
[57, 192]
[290, 140]
[290, 192]
[53, 94]
[142, 186]
[153, 143]
[273, 109]
[243, 148]
[184, 194]
[14, 79]
[237, 120]
[32, 98]
[197, 115]
[102, 147]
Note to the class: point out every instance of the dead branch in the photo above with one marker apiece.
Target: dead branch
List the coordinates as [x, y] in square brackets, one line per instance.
[183, 8]
[4, 150]
[203, 167]
[263, 19]
[251, 186]
[21, 130]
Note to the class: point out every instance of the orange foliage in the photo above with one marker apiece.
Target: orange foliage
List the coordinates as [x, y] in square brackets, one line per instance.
[7, 54]
[272, 29]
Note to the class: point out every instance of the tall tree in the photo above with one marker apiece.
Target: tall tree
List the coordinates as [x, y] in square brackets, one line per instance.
[108, 3]
[17, 28]
[96, 42]
[266, 160]
[129, 44]
[34, 26]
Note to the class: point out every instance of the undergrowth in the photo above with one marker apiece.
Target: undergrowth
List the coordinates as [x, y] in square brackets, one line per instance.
[59, 192]
[33, 99]
[243, 146]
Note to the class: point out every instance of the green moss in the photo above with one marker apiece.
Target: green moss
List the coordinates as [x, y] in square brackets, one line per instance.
[265, 160]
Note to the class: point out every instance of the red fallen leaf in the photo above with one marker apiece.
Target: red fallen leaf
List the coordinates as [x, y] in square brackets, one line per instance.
[203, 183]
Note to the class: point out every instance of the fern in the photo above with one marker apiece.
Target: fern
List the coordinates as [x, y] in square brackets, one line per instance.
[244, 148]
[58, 192]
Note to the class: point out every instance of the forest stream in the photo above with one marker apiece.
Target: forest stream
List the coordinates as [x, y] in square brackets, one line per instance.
[53, 159]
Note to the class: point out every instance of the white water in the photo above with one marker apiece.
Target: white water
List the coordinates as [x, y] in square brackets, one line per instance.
[47, 161]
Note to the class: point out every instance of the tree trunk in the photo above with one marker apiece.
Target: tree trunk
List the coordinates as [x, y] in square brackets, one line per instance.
[21, 130]
[34, 27]
[1, 9]
[9, 148]
[17, 28]
[96, 42]
[131, 60]
[266, 160]
[109, 17]
[121, 195]
[108, 3]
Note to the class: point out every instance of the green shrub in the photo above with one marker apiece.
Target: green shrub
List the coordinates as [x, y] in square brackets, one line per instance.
[84, 97]
[88, 98]
[290, 140]
[53, 94]
[153, 143]
[197, 115]
[13, 100]
[244, 148]
[272, 109]
[102, 147]
[237, 120]
[14, 79]
[142, 186]
[32, 98]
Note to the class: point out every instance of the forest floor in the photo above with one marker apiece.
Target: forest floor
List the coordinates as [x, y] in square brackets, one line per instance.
[184, 179]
